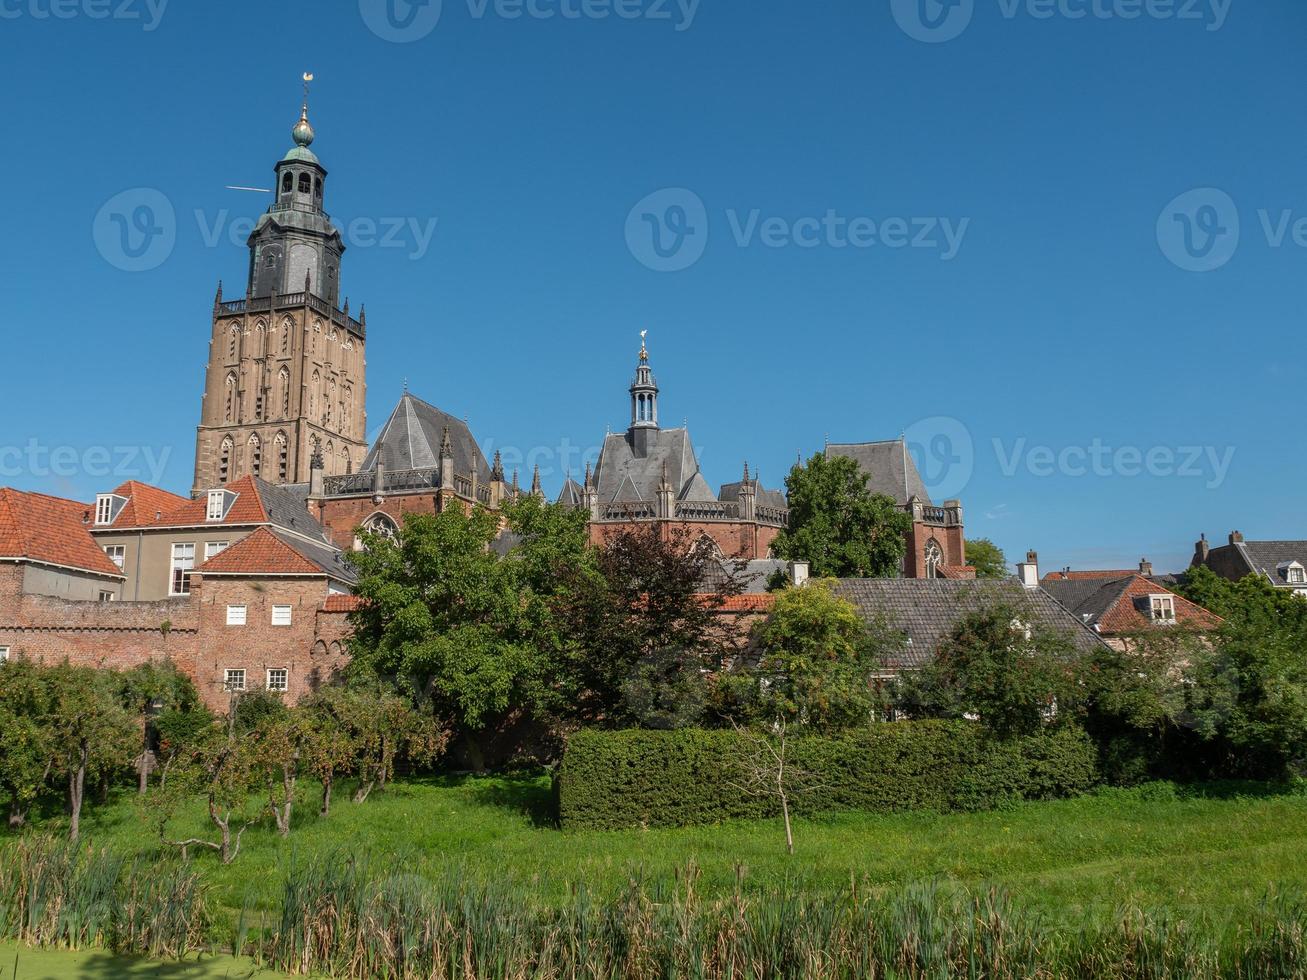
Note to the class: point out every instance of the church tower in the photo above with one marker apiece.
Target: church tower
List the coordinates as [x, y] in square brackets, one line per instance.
[644, 405]
[286, 379]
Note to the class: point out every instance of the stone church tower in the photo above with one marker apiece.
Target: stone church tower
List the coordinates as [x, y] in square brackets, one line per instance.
[286, 380]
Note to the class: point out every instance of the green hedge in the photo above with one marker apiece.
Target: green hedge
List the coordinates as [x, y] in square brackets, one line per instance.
[612, 780]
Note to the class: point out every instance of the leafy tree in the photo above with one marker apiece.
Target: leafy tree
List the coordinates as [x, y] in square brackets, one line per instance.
[816, 661]
[641, 608]
[150, 688]
[995, 667]
[838, 525]
[277, 743]
[91, 734]
[987, 559]
[28, 754]
[328, 744]
[222, 766]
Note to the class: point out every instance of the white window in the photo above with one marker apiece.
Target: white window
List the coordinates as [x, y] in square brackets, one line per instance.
[104, 508]
[235, 615]
[1297, 576]
[234, 680]
[107, 596]
[4, 655]
[217, 505]
[1163, 607]
[214, 548]
[278, 679]
[117, 554]
[281, 615]
[183, 563]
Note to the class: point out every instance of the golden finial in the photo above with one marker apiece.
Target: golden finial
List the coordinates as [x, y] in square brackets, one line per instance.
[644, 349]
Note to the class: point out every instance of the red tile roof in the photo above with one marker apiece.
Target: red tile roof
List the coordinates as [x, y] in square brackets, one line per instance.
[50, 530]
[337, 603]
[1125, 616]
[145, 505]
[261, 553]
[247, 508]
[759, 602]
[1083, 576]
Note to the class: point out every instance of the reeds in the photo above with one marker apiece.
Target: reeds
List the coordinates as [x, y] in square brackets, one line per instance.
[57, 893]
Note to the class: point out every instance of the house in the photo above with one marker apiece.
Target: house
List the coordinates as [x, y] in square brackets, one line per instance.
[1119, 605]
[928, 610]
[1282, 563]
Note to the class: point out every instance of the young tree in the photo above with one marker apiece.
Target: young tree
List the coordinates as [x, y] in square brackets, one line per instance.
[328, 744]
[767, 770]
[277, 743]
[838, 525]
[815, 663]
[148, 690]
[223, 767]
[987, 559]
[28, 755]
[385, 725]
[644, 601]
[996, 667]
[90, 731]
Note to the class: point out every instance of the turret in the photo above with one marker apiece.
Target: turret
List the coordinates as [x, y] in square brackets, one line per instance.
[644, 404]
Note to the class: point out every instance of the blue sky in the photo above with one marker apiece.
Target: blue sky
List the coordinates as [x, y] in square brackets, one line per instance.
[977, 238]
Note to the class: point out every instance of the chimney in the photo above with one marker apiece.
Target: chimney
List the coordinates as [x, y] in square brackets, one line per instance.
[1145, 567]
[800, 572]
[1028, 570]
[1236, 537]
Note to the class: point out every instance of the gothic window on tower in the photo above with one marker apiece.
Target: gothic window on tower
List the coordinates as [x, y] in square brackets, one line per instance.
[287, 183]
[233, 341]
[283, 457]
[256, 456]
[224, 461]
[305, 183]
[317, 188]
[231, 398]
[283, 382]
[934, 558]
[286, 326]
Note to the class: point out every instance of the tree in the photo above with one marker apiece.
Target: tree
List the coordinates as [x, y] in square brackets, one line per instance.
[987, 559]
[997, 668]
[150, 689]
[642, 608]
[28, 754]
[328, 743]
[90, 731]
[838, 525]
[816, 659]
[277, 742]
[767, 770]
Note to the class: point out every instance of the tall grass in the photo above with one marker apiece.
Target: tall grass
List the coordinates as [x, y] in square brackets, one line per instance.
[56, 893]
[353, 918]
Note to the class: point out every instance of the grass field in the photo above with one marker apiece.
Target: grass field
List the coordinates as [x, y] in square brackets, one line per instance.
[1217, 849]
[22, 963]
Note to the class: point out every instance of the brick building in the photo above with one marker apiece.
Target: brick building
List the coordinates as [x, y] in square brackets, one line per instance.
[649, 474]
[1282, 563]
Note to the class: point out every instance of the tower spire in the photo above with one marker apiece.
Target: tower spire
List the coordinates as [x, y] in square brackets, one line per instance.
[303, 131]
[644, 402]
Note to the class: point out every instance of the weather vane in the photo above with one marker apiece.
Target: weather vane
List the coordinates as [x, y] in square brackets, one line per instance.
[644, 350]
[308, 77]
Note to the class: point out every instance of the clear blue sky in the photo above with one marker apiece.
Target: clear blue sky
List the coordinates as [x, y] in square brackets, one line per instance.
[1050, 144]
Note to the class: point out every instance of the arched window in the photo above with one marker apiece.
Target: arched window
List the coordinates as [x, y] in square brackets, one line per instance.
[230, 411]
[286, 326]
[313, 392]
[283, 383]
[380, 524]
[287, 182]
[317, 188]
[283, 457]
[306, 183]
[329, 456]
[233, 340]
[256, 456]
[934, 558]
[224, 460]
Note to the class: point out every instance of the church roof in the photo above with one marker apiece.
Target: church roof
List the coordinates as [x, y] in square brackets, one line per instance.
[623, 477]
[889, 467]
[411, 437]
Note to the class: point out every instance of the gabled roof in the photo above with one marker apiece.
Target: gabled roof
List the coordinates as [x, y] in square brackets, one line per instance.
[927, 610]
[268, 552]
[1267, 557]
[52, 531]
[1072, 576]
[411, 438]
[1122, 605]
[145, 504]
[572, 494]
[622, 477]
[889, 466]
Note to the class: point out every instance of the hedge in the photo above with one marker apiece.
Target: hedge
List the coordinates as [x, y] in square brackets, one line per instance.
[614, 780]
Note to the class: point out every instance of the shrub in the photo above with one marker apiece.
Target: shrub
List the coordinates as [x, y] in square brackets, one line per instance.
[612, 780]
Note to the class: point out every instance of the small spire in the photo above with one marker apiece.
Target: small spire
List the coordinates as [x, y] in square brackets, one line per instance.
[746, 472]
[217, 299]
[363, 315]
[497, 470]
[666, 484]
[446, 446]
[589, 475]
[644, 347]
[303, 131]
[535, 482]
[516, 488]
[308, 281]
[346, 309]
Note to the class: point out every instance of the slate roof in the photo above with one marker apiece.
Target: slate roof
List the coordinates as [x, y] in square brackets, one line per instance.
[754, 575]
[1123, 605]
[573, 494]
[928, 609]
[622, 477]
[762, 496]
[411, 437]
[51, 530]
[269, 552]
[889, 466]
[1265, 557]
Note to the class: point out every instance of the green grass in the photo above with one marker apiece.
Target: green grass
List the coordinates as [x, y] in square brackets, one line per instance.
[1218, 850]
[23, 963]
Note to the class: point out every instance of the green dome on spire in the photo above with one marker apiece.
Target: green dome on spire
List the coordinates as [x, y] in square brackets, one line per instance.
[303, 131]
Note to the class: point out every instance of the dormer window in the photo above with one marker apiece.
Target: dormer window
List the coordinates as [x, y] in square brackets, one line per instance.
[1162, 608]
[1293, 572]
[107, 508]
[217, 508]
